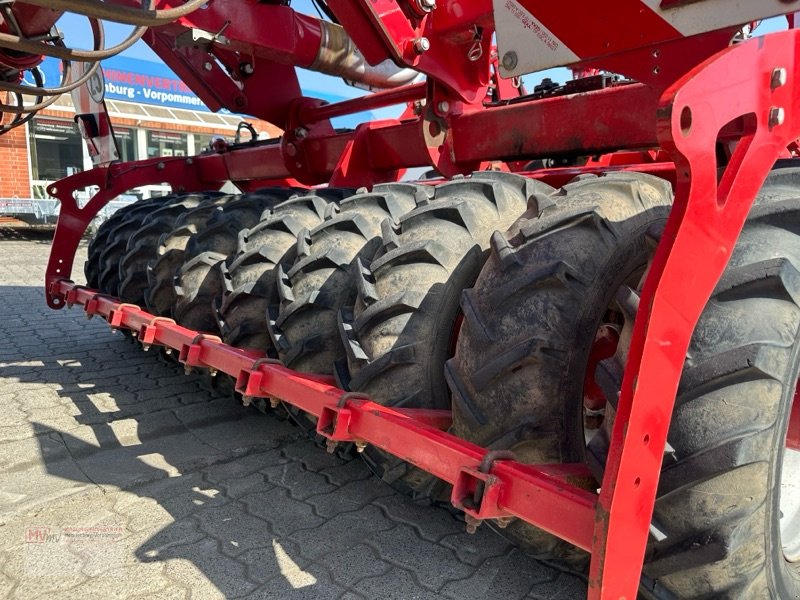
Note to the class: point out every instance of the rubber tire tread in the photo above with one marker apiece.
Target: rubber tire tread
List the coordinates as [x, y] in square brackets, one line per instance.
[530, 321]
[92, 266]
[142, 248]
[400, 331]
[95, 265]
[317, 283]
[160, 295]
[248, 276]
[198, 280]
[719, 494]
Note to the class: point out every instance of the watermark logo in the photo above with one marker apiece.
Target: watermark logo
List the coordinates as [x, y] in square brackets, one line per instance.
[41, 535]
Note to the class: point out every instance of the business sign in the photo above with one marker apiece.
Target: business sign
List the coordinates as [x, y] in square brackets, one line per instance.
[135, 80]
[147, 82]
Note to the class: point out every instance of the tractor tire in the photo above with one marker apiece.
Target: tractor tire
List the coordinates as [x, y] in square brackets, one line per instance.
[531, 319]
[160, 295]
[248, 277]
[318, 283]
[142, 248]
[405, 320]
[198, 280]
[535, 310]
[94, 264]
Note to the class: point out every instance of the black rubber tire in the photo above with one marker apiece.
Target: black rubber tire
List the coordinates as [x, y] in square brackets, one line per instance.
[401, 329]
[304, 325]
[94, 265]
[719, 491]
[248, 277]
[198, 280]
[142, 249]
[160, 295]
[529, 323]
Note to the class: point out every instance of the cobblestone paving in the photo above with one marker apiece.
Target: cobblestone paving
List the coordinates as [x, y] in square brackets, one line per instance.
[121, 477]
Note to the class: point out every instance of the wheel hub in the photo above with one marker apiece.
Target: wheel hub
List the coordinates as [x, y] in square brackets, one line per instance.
[790, 487]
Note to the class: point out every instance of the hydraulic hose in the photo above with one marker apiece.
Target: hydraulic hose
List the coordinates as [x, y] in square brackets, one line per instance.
[121, 14]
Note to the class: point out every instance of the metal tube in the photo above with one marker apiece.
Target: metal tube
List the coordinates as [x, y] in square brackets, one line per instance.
[364, 103]
[338, 56]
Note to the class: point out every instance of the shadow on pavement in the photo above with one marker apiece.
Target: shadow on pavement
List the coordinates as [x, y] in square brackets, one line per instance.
[240, 498]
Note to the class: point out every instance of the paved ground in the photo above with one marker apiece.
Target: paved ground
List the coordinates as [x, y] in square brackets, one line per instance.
[121, 477]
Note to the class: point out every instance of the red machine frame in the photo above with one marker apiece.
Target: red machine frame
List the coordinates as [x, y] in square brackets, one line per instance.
[678, 105]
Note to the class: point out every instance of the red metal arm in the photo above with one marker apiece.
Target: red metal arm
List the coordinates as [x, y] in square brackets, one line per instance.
[706, 221]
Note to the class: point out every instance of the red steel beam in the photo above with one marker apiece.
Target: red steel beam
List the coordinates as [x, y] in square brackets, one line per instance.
[609, 119]
[793, 435]
[538, 494]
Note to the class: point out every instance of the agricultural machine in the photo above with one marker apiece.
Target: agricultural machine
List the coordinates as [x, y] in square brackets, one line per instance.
[584, 330]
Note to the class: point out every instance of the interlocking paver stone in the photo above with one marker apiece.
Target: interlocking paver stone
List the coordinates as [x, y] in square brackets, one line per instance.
[200, 498]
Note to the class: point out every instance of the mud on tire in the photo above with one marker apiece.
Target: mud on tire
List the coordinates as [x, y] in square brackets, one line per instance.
[198, 280]
[248, 276]
[94, 265]
[160, 294]
[142, 247]
[517, 376]
[403, 325]
[317, 282]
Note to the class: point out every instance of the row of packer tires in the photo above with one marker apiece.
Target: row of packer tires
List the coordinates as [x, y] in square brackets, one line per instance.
[412, 295]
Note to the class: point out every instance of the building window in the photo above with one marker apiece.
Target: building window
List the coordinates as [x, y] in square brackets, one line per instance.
[56, 149]
[166, 143]
[126, 143]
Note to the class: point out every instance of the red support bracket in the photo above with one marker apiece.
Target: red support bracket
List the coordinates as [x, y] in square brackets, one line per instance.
[759, 91]
[149, 331]
[116, 316]
[250, 382]
[92, 306]
[190, 355]
[334, 421]
[477, 491]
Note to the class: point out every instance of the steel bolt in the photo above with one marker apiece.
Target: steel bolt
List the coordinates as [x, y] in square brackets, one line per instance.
[291, 149]
[422, 45]
[146, 347]
[247, 400]
[510, 60]
[426, 5]
[778, 78]
[472, 524]
[274, 403]
[300, 132]
[160, 166]
[503, 522]
[212, 372]
[247, 69]
[361, 446]
[207, 66]
[444, 107]
[168, 351]
[187, 370]
[776, 116]
[330, 446]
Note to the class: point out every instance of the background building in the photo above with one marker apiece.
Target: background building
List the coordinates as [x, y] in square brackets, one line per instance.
[153, 113]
